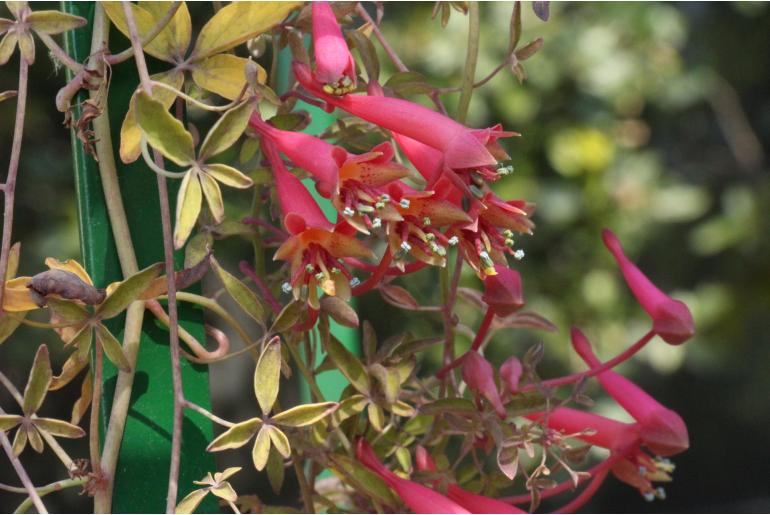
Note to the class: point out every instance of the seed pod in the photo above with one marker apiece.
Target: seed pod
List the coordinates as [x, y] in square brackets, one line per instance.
[66, 285]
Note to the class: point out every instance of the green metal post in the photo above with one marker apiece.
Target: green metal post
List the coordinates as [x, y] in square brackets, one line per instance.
[143, 464]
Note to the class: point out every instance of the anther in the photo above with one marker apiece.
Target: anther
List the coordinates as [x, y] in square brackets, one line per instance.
[348, 212]
[377, 223]
[454, 240]
[404, 202]
[519, 255]
[649, 496]
[286, 287]
[355, 282]
[309, 268]
[426, 221]
[405, 246]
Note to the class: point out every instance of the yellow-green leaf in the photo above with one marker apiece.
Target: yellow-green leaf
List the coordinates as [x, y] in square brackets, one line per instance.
[225, 74]
[275, 470]
[38, 382]
[228, 175]
[267, 375]
[163, 46]
[224, 491]
[112, 348]
[27, 47]
[213, 197]
[350, 406]
[59, 428]
[68, 312]
[7, 46]
[280, 441]
[194, 498]
[128, 291]
[349, 365]
[238, 22]
[226, 131]
[77, 360]
[5, 95]
[305, 414]
[376, 416]
[241, 293]
[340, 311]
[178, 30]
[388, 379]
[130, 133]
[236, 436]
[84, 401]
[13, 260]
[54, 22]
[362, 479]
[16, 8]
[9, 324]
[19, 441]
[35, 440]
[261, 450]
[9, 421]
[288, 316]
[188, 207]
[163, 131]
[402, 409]
[226, 474]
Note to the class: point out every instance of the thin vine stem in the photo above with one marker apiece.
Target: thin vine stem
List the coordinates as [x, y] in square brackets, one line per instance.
[47, 489]
[58, 52]
[471, 59]
[22, 473]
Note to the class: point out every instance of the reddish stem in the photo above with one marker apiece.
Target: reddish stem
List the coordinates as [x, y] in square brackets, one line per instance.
[250, 220]
[394, 270]
[263, 289]
[376, 277]
[585, 495]
[572, 378]
[477, 341]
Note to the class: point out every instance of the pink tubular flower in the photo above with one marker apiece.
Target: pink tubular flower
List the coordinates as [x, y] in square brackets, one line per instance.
[662, 430]
[480, 377]
[474, 503]
[354, 182]
[315, 246]
[461, 147]
[671, 319]
[335, 67]
[419, 498]
[502, 291]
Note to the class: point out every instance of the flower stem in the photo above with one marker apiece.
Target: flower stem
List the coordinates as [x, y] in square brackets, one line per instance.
[477, 341]
[376, 277]
[471, 58]
[9, 187]
[206, 413]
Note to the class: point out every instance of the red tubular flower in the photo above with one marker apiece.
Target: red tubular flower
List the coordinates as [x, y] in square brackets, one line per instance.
[480, 377]
[353, 182]
[461, 147]
[502, 291]
[419, 498]
[628, 462]
[315, 246]
[335, 67]
[671, 319]
[474, 503]
[662, 430]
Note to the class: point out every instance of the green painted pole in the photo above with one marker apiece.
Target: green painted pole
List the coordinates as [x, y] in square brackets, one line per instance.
[143, 463]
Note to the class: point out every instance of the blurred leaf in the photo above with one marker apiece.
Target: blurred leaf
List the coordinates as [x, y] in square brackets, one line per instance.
[127, 292]
[408, 83]
[8, 324]
[349, 407]
[238, 22]
[288, 316]
[529, 49]
[54, 22]
[525, 319]
[542, 9]
[508, 460]
[5, 95]
[398, 296]
[389, 381]
[112, 348]
[514, 31]
[7, 46]
[349, 365]
[376, 416]
[224, 491]
[39, 379]
[27, 48]
[197, 249]
[236, 436]
[261, 450]
[8, 422]
[340, 311]
[84, 401]
[267, 375]
[275, 470]
[362, 479]
[449, 405]
[305, 414]
[367, 52]
[240, 293]
[191, 501]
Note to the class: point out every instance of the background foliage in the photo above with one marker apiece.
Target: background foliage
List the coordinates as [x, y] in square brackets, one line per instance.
[651, 119]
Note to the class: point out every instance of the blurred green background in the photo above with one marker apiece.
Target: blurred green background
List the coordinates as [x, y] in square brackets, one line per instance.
[650, 119]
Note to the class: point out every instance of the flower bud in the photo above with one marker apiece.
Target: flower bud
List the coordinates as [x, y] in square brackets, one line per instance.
[671, 319]
[480, 377]
[510, 373]
[335, 67]
[502, 292]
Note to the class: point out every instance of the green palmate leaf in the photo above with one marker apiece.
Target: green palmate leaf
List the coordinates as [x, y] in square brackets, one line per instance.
[225, 74]
[275, 471]
[305, 414]
[408, 83]
[389, 380]
[9, 421]
[7, 46]
[280, 441]
[188, 207]
[402, 409]
[514, 32]
[289, 315]
[508, 460]
[340, 311]
[27, 47]
[128, 291]
[112, 348]
[267, 375]
[54, 22]
[238, 22]
[349, 407]
[448, 405]
[16, 8]
[376, 416]
[213, 197]
[228, 175]
[170, 42]
[226, 131]
[68, 312]
[9, 324]
[35, 440]
[349, 365]
[163, 131]
[197, 249]
[362, 480]
[241, 293]
[39, 379]
[191, 501]
[59, 428]
[226, 474]
[235, 437]
[224, 491]
[20, 440]
[261, 450]
[76, 361]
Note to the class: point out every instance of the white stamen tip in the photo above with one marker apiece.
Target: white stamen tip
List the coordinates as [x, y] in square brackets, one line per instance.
[348, 212]
[454, 240]
[355, 282]
[286, 288]
[405, 246]
[519, 254]
[404, 203]
[377, 223]
[649, 496]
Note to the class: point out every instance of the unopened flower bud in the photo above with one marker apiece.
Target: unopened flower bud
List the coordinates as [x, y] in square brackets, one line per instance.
[502, 292]
[480, 377]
